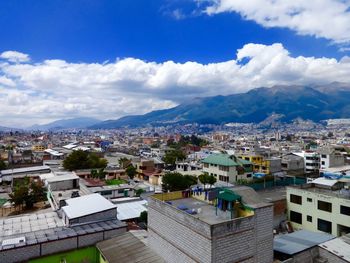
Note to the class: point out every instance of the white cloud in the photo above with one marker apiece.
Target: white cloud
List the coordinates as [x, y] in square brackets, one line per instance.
[328, 19]
[14, 56]
[52, 89]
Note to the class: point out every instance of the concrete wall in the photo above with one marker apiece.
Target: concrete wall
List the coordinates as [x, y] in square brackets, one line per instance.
[179, 237]
[24, 253]
[63, 185]
[330, 257]
[105, 215]
[264, 234]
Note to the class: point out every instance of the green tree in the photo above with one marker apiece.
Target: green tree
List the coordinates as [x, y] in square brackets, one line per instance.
[143, 216]
[204, 178]
[76, 160]
[171, 157]
[131, 171]
[28, 193]
[83, 160]
[139, 192]
[173, 181]
[211, 180]
[124, 162]
[3, 165]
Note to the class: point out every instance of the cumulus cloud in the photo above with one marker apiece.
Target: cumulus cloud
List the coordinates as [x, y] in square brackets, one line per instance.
[53, 89]
[328, 19]
[14, 56]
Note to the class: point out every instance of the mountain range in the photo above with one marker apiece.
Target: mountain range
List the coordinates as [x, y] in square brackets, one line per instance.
[74, 123]
[313, 103]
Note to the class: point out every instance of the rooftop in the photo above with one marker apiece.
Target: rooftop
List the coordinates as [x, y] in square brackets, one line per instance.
[224, 160]
[196, 205]
[64, 177]
[127, 248]
[131, 210]
[86, 205]
[339, 246]
[299, 241]
[28, 223]
[61, 232]
[25, 170]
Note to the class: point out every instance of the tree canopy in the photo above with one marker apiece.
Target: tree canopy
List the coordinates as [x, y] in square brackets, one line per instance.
[207, 179]
[173, 181]
[83, 160]
[131, 171]
[187, 140]
[28, 193]
[3, 165]
[171, 156]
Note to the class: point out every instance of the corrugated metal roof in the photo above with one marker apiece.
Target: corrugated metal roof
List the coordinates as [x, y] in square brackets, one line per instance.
[225, 160]
[127, 248]
[339, 247]
[130, 210]
[86, 205]
[299, 241]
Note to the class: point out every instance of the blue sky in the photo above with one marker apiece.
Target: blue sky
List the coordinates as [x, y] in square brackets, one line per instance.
[107, 59]
[97, 30]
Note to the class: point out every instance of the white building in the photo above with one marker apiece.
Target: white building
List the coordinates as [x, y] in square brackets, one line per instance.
[227, 168]
[323, 205]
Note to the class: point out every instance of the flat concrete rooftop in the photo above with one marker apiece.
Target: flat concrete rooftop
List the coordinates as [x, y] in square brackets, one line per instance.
[18, 225]
[207, 212]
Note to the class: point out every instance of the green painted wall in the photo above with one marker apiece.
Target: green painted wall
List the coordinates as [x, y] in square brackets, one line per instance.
[83, 255]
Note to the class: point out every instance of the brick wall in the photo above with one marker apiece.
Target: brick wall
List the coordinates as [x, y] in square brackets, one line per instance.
[264, 234]
[179, 237]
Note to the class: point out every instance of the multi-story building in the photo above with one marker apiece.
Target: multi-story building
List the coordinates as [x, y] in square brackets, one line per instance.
[323, 205]
[330, 157]
[186, 227]
[311, 161]
[227, 168]
[263, 165]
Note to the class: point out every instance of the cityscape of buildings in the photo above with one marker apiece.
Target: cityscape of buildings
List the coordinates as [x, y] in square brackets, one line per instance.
[255, 194]
[175, 131]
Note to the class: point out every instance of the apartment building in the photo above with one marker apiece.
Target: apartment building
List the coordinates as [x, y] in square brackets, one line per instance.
[323, 205]
[311, 161]
[227, 168]
[330, 157]
[263, 165]
[189, 227]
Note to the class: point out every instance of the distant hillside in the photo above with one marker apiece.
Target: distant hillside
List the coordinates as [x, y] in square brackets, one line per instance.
[314, 103]
[8, 129]
[67, 124]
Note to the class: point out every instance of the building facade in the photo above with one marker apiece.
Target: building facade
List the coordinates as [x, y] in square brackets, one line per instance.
[317, 208]
[227, 168]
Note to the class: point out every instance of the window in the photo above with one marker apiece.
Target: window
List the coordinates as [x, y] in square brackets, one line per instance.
[309, 218]
[324, 225]
[323, 156]
[324, 206]
[206, 165]
[249, 175]
[309, 199]
[106, 192]
[296, 217]
[296, 199]
[120, 191]
[323, 163]
[345, 210]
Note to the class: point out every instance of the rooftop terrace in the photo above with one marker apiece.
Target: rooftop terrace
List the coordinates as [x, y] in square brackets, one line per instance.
[228, 204]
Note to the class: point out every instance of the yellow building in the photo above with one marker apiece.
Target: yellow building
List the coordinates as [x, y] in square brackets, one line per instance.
[38, 148]
[263, 165]
[323, 206]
